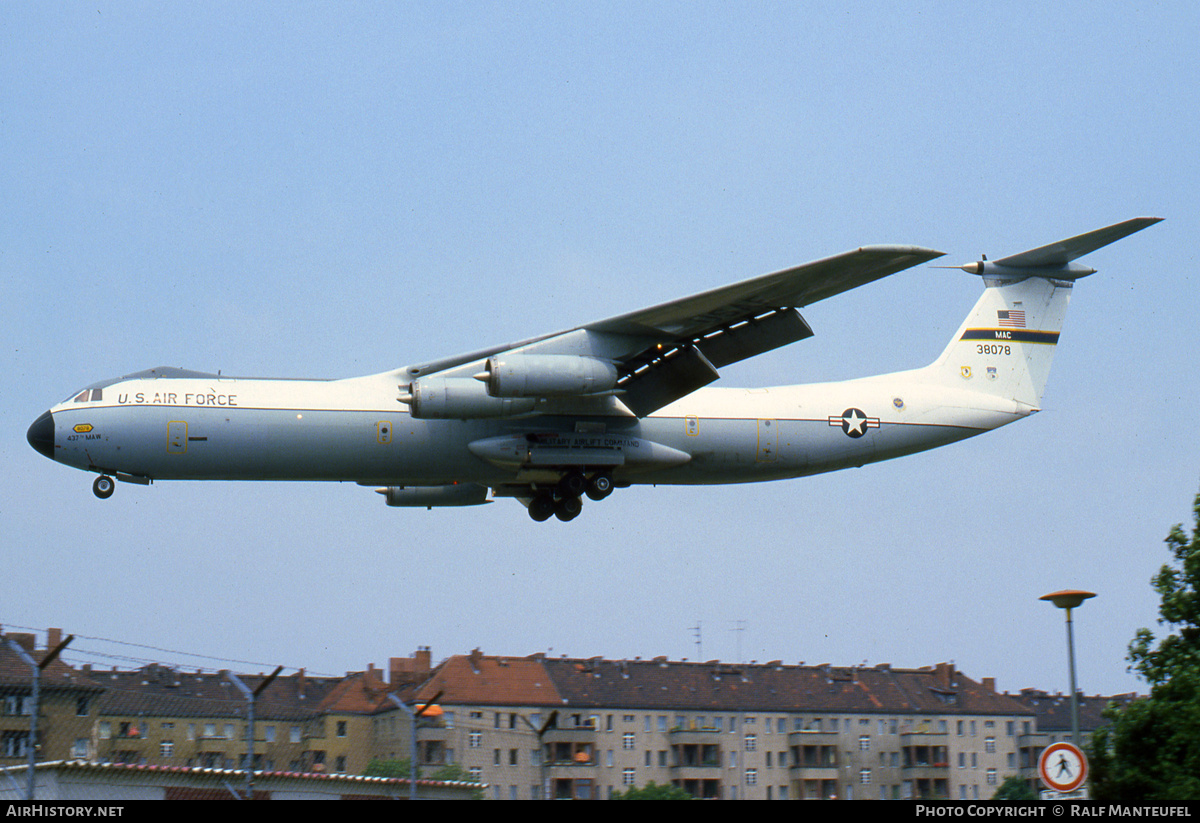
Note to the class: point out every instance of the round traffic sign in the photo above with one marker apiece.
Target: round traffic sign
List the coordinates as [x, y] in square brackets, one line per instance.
[1062, 767]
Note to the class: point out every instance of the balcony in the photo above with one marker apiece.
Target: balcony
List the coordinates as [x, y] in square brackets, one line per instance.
[569, 754]
[694, 736]
[926, 756]
[694, 763]
[814, 756]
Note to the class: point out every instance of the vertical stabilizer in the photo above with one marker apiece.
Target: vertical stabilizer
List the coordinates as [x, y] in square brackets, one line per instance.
[1005, 346]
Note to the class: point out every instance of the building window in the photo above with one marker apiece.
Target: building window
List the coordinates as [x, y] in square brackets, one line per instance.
[751, 777]
[864, 743]
[628, 776]
[475, 740]
[627, 740]
[166, 748]
[751, 743]
[341, 728]
[864, 776]
[991, 777]
[989, 745]
[512, 757]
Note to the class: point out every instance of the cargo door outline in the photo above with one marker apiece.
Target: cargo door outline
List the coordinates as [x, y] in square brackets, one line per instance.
[177, 437]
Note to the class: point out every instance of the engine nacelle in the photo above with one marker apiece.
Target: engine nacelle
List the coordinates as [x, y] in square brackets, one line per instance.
[547, 375]
[458, 494]
[459, 398]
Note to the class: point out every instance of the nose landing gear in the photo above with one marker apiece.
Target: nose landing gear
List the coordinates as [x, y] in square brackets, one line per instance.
[103, 487]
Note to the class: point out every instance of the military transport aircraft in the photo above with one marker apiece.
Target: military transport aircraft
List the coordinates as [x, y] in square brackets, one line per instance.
[603, 405]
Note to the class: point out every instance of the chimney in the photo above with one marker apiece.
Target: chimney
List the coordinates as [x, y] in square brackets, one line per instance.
[475, 656]
[53, 638]
[989, 683]
[945, 675]
[405, 670]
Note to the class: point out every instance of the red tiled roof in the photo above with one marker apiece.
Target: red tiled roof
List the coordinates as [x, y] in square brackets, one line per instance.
[477, 678]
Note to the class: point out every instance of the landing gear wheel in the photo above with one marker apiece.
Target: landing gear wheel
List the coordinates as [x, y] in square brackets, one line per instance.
[103, 487]
[572, 484]
[568, 508]
[600, 487]
[541, 507]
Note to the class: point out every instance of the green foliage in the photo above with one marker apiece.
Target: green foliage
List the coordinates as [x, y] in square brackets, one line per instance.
[1151, 752]
[652, 791]
[1015, 790]
[379, 767]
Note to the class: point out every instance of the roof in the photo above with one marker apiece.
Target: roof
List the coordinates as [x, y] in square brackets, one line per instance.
[475, 678]
[16, 674]
[1054, 710]
[160, 691]
[229, 776]
[663, 685]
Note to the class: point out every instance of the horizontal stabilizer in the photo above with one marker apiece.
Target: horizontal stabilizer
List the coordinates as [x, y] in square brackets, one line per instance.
[1064, 251]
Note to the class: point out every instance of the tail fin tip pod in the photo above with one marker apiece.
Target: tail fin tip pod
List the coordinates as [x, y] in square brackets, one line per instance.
[1005, 346]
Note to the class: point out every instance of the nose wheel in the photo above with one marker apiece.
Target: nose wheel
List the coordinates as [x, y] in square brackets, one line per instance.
[103, 487]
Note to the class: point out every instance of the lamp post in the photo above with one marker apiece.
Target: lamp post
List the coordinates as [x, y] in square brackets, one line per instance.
[1069, 599]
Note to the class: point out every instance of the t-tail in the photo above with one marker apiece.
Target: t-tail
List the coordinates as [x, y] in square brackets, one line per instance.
[1005, 345]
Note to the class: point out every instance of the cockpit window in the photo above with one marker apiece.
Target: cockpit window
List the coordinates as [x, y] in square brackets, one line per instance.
[84, 396]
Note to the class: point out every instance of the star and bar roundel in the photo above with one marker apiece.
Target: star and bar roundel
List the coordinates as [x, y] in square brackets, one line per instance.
[853, 422]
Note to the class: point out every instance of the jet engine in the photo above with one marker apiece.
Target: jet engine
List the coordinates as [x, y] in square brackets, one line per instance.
[459, 398]
[547, 375]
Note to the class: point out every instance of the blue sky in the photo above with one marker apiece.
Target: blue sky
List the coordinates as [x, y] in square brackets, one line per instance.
[333, 189]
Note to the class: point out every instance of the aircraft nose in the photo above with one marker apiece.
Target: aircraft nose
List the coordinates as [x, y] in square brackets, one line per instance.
[41, 435]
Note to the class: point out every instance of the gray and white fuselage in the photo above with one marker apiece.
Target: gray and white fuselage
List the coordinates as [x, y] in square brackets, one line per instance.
[619, 402]
[220, 428]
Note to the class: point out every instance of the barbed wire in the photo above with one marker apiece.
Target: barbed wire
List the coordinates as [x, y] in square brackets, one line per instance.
[77, 655]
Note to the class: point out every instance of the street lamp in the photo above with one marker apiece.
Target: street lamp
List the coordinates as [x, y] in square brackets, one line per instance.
[1070, 599]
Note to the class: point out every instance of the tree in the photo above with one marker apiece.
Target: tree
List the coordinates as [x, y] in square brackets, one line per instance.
[652, 791]
[379, 767]
[1151, 752]
[1014, 789]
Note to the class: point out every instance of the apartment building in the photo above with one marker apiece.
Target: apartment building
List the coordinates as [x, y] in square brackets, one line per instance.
[587, 728]
[68, 703]
[538, 727]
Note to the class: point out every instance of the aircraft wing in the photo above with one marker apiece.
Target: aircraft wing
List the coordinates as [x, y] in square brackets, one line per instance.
[667, 351]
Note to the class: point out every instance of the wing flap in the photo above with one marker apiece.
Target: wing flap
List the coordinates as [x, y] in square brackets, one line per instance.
[666, 379]
[753, 337]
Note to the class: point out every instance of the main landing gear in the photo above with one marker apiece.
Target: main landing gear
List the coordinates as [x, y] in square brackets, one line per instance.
[103, 487]
[564, 501]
